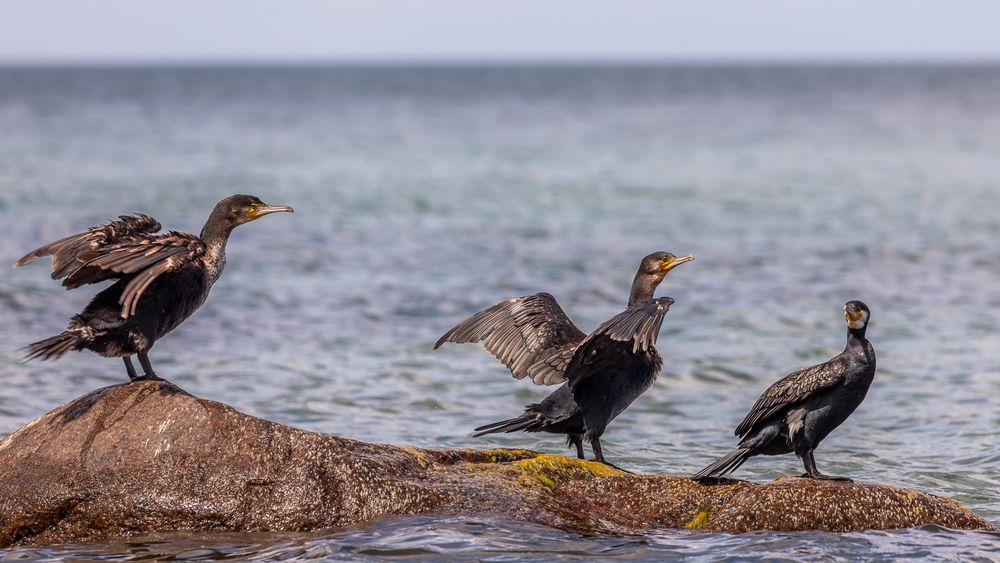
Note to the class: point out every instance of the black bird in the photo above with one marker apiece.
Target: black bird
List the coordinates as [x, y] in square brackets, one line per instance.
[160, 280]
[800, 409]
[603, 372]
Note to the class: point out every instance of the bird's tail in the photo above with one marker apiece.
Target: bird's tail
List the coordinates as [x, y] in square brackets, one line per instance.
[53, 347]
[523, 422]
[726, 464]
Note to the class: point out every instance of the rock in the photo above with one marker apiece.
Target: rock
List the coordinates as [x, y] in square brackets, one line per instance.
[146, 456]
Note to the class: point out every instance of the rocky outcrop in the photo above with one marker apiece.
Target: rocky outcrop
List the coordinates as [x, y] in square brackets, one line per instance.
[147, 456]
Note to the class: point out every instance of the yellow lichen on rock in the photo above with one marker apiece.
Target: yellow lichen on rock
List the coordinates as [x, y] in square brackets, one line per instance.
[700, 519]
[505, 455]
[554, 470]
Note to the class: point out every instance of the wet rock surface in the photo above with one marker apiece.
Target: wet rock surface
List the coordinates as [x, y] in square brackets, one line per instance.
[147, 456]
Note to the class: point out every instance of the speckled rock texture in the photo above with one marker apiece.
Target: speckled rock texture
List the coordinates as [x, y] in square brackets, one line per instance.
[148, 457]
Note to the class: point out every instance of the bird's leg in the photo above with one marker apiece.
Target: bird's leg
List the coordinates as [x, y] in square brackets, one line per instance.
[595, 444]
[132, 375]
[147, 368]
[812, 473]
[809, 463]
[577, 441]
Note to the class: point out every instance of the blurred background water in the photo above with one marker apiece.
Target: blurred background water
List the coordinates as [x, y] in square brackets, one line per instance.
[424, 194]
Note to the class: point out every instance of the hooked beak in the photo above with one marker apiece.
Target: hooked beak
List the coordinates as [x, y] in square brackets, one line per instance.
[678, 262]
[269, 209]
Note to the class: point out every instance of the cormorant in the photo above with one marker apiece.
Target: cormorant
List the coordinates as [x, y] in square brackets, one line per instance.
[161, 279]
[603, 372]
[800, 409]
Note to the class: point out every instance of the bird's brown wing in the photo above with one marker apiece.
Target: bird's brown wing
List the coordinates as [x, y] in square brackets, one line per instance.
[127, 248]
[531, 335]
[791, 389]
[65, 252]
[639, 324]
[141, 261]
[551, 369]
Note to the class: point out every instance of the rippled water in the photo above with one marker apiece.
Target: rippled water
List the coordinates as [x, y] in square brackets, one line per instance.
[425, 194]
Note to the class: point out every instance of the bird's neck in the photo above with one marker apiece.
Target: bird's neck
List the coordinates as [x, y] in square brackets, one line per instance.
[216, 230]
[643, 287]
[856, 336]
[215, 235]
[215, 259]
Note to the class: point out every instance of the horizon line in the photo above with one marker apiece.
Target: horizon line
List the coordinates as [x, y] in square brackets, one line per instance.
[540, 61]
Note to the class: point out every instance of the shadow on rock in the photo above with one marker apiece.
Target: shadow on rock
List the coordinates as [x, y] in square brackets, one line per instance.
[79, 406]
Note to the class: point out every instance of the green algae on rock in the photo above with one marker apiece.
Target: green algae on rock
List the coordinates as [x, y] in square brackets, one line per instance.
[148, 457]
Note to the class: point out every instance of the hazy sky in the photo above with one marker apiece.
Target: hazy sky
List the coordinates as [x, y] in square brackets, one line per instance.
[205, 30]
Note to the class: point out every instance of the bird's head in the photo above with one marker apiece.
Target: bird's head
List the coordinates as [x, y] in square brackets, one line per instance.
[234, 211]
[652, 270]
[856, 314]
[658, 264]
[242, 208]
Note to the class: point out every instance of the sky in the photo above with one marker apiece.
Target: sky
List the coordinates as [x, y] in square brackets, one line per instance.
[515, 30]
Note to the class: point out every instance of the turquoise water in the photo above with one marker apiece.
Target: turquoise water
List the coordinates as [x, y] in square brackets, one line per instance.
[425, 194]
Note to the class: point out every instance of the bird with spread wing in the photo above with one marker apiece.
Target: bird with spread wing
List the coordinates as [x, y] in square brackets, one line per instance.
[602, 373]
[160, 279]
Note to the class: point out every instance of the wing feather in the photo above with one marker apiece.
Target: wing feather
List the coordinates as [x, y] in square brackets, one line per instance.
[639, 324]
[551, 369]
[65, 251]
[126, 248]
[791, 389]
[531, 335]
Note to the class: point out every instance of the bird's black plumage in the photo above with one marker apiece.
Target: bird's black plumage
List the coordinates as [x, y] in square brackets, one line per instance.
[602, 373]
[799, 410]
[159, 279]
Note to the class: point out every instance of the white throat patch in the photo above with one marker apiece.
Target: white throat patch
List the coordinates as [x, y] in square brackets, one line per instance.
[860, 323]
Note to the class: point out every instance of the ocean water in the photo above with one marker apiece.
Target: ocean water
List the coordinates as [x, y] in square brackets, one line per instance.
[424, 194]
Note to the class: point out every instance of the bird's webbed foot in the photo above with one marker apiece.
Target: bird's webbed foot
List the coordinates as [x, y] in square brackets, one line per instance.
[812, 473]
[823, 477]
[148, 377]
[595, 443]
[613, 466]
[147, 368]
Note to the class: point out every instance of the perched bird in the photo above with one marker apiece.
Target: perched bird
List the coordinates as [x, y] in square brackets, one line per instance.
[160, 280]
[800, 409]
[602, 372]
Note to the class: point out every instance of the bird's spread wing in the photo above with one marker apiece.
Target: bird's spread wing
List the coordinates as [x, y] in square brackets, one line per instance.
[531, 335]
[65, 252]
[638, 325]
[127, 248]
[551, 369]
[791, 389]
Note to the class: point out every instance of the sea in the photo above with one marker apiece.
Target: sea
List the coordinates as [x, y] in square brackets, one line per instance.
[424, 193]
